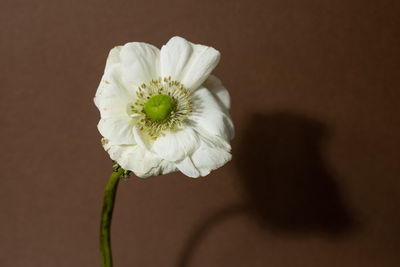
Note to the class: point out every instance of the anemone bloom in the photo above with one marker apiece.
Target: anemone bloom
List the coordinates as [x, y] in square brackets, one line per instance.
[161, 110]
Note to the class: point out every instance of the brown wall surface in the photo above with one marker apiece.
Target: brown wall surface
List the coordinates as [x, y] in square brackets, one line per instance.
[314, 179]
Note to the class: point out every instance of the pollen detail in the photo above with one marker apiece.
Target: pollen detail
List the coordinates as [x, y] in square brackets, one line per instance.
[158, 107]
[161, 105]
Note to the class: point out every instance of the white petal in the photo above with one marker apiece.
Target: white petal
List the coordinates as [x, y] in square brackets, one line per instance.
[163, 168]
[209, 115]
[174, 146]
[210, 156]
[140, 63]
[117, 129]
[187, 168]
[112, 98]
[174, 56]
[141, 161]
[188, 63]
[139, 138]
[116, 152]
[113, 58]
[215, 86]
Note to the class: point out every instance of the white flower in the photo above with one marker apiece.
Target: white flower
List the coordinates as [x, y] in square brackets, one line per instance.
[161, 110]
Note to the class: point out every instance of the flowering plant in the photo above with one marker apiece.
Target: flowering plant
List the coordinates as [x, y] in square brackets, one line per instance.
[161, 111]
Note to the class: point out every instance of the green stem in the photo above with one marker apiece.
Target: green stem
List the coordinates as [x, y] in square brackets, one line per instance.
[106, 216]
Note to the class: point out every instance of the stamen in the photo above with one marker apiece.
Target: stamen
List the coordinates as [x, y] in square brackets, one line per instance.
[162, 105]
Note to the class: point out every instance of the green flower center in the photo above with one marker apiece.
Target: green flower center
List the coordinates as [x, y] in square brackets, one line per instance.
[158, 107]
[161, 105]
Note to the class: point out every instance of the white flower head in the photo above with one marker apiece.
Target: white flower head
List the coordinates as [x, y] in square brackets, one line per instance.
[161, 110]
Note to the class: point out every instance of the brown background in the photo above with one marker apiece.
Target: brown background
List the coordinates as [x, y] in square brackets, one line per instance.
[315, 175]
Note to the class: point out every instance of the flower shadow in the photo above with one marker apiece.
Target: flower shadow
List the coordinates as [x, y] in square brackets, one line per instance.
[287, 186]
[286, 182]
